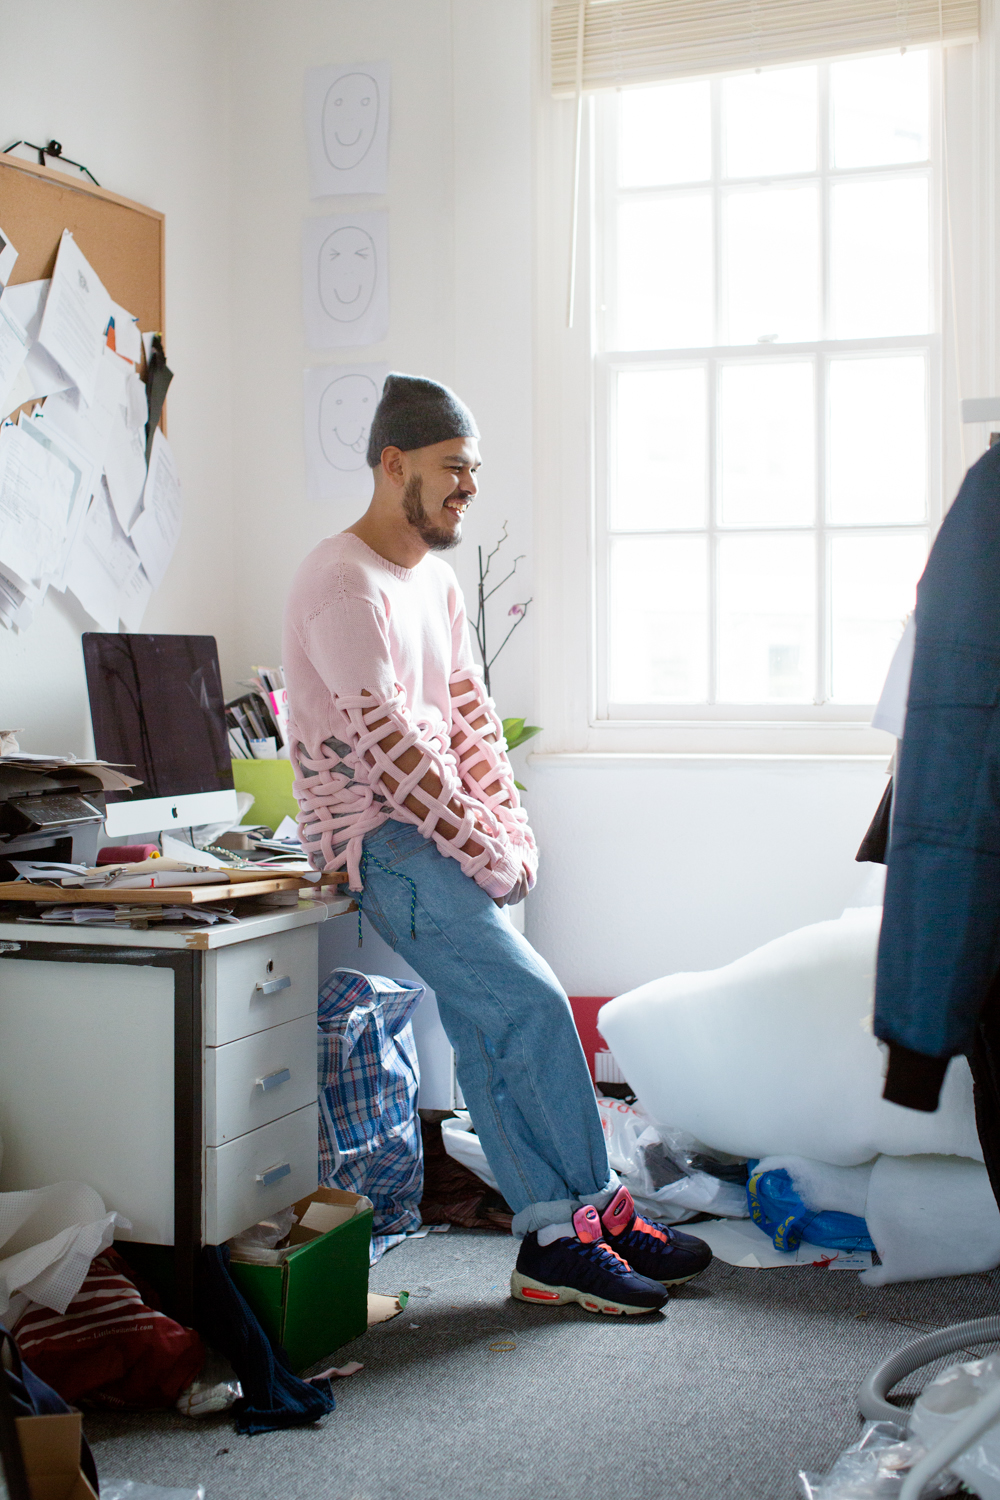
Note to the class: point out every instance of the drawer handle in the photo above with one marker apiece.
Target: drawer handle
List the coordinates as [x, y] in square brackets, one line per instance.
[272, 1080]
[274, 1174]
[272, 986]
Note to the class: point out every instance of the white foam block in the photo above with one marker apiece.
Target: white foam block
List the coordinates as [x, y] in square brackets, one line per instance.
[774, 1054]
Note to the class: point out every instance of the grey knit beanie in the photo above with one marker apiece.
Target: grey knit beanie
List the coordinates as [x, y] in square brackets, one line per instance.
[414, 413]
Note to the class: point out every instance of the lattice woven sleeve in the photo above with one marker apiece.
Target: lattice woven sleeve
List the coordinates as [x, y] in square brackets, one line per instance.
[482, 762]
[371, 722]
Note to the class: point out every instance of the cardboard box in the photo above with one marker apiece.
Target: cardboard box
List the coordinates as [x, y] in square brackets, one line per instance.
[317, 1299]
[51, 1449]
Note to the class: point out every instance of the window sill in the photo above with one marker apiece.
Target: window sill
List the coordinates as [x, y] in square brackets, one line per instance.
[658, 743]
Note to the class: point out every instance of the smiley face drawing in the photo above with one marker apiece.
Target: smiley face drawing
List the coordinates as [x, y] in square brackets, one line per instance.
[348, 268]
[350, 118]
[346, 409]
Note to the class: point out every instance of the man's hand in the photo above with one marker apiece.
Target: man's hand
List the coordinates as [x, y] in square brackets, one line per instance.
[516, 894]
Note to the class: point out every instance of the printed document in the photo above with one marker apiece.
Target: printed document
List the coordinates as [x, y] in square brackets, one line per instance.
[125, 454]
[104, 563]
[37, 489]
[27, 302]
[156, 531]
[65, 451]
[76, 316]
[13, 349]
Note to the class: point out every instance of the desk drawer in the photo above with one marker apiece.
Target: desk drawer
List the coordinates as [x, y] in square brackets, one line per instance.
[260, 1173]
[261, 983]
[259, 1078]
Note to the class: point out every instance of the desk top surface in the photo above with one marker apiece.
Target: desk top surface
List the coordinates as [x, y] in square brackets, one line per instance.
[261, 924]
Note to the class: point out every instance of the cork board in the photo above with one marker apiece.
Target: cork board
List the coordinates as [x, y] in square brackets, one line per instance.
[122, 240]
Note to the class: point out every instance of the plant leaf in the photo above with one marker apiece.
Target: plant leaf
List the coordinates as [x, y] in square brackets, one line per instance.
[512, 729]
[520, 787]
[528, 732]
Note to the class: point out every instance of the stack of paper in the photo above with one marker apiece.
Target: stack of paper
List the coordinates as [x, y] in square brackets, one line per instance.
[78, 509]
[112, 779]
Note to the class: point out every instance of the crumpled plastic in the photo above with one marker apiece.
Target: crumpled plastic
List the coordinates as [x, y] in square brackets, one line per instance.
[873, 1468]
[942, 1404]
[664, 1169]
[48, 1238]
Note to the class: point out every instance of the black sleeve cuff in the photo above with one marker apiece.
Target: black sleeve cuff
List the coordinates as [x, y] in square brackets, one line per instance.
[914, 1080]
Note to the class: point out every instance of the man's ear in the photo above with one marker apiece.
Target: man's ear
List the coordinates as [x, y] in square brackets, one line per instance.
[392, 465]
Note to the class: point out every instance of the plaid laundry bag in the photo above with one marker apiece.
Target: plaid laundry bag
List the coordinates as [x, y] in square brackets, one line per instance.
[369, 1134]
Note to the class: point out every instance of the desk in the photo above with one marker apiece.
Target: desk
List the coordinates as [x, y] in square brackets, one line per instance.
[175, 1072]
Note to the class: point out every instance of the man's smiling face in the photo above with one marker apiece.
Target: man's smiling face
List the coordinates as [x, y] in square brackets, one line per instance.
[440, 486]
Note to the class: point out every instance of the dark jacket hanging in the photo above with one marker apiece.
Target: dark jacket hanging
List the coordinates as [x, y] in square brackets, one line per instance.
[940, 945]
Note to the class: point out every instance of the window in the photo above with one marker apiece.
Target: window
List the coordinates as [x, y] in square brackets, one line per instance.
[766, 380]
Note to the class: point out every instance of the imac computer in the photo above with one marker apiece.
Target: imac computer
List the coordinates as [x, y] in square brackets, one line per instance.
[157, 705]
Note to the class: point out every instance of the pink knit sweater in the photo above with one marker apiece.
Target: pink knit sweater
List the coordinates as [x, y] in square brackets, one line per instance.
[357, 625]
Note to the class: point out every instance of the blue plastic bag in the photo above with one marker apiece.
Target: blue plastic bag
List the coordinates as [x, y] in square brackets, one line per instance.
[369, 1134]
[776, 1208]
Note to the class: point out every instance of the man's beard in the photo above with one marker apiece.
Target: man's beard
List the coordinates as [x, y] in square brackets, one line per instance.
[436, 537]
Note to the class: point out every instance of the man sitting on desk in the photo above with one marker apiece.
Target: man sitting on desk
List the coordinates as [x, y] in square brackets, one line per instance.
[402, 778]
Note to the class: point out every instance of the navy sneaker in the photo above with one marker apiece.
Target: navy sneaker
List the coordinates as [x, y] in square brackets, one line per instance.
[654, 1250]
[584, 1270]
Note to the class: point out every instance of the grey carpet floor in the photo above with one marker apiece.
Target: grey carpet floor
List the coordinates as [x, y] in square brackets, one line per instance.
[747, 1377]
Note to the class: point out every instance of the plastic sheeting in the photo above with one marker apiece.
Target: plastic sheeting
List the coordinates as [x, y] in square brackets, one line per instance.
[48, 1237]
[775, 1054]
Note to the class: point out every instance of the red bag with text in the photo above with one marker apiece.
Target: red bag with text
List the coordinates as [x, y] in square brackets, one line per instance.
[109, 1348]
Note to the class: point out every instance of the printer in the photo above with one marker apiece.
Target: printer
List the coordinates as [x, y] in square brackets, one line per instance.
[49, 812]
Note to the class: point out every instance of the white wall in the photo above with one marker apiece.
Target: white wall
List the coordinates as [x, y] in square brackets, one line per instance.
[655, 867]
[138, 92]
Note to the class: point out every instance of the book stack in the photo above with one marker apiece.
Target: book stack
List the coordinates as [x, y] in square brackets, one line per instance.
[257, 721]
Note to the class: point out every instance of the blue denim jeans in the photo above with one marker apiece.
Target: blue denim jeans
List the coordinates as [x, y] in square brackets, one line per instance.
[519, 1059]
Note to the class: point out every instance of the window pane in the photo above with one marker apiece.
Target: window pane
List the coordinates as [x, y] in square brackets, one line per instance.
[665, 273]
[880, 110]
[769, 123]
[771, 277]
[665, 135]
[661, 442]
[658, 610]
[873, 587]
[767, 426]
[767, 603]
[878, 258]
[878, 441]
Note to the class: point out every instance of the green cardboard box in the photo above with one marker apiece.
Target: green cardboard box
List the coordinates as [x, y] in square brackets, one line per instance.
[317, 1298]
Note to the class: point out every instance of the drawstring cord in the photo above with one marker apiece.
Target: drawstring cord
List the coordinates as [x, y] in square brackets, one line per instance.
[367, 858]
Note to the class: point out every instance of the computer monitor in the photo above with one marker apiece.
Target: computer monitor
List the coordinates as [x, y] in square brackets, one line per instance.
[156, 703]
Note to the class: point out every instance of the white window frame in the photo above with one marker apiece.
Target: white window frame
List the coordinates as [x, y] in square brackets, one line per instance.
[572, 379]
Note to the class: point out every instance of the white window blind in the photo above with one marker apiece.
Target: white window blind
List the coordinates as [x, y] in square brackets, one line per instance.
[650, 41]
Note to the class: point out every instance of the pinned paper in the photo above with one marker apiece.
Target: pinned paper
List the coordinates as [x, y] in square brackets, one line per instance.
[76, 316]
[347, 128]
[340, 402]
[8, 255]
[345, 280]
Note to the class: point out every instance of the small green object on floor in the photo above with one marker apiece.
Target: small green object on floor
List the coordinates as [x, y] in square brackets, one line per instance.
[317, 1298]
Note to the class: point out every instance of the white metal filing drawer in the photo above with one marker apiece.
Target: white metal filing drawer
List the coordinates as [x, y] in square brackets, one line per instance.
[259, 1078]
[260, 1173]
[251, 986]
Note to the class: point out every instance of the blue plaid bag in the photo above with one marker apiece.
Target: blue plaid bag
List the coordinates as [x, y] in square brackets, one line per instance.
[369, 1134]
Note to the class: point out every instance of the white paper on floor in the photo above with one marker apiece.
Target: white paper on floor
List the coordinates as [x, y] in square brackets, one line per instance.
[775, 1054]
[740, 1243]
